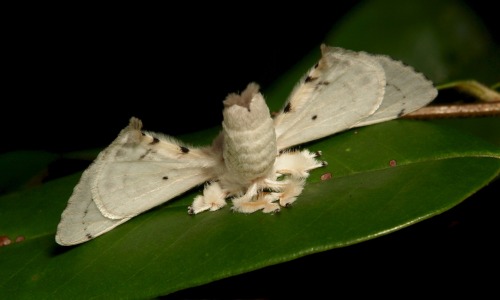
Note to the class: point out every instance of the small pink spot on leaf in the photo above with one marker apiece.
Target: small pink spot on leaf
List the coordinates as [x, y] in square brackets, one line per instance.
[326, 176]
[4, 240]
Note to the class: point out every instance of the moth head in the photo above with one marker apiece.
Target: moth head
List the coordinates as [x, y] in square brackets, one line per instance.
[245, 110]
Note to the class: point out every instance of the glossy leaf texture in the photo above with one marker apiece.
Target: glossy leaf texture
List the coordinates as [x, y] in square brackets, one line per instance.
[384, 178]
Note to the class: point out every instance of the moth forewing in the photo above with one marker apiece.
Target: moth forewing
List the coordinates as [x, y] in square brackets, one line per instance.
[329, 98]
[81, 220]
[152, 169]
[406, 90]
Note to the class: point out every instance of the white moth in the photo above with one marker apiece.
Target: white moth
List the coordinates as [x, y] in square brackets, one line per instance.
[250, 161]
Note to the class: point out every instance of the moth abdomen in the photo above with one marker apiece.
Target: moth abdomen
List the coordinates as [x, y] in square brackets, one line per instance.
[249, 147]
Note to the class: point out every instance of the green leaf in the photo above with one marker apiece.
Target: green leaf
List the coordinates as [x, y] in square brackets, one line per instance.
[17, 173]
[166, 250]
[443, 39]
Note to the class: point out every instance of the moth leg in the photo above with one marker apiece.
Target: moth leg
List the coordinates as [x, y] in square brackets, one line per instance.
[298, 164]
[286, 191]
[291, 191]
[253, 200]
[274, 185]
[213, 198]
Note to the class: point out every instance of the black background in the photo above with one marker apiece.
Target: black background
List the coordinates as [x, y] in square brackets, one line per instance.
[74, 76]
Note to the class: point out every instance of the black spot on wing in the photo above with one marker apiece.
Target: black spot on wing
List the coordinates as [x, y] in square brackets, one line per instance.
[397, 88]
[145, 154]
[314, 117]
[310, 78]
[394, 86]
[89, 236]
[184, 149]
[401, 113]
[287, 108]
[155, 141]
[321, 84]
[164, 177]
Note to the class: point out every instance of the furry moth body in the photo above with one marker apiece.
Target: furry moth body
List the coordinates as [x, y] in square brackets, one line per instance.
[249, 162]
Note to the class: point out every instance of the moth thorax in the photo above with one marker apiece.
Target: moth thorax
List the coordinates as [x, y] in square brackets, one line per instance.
[249, 147]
